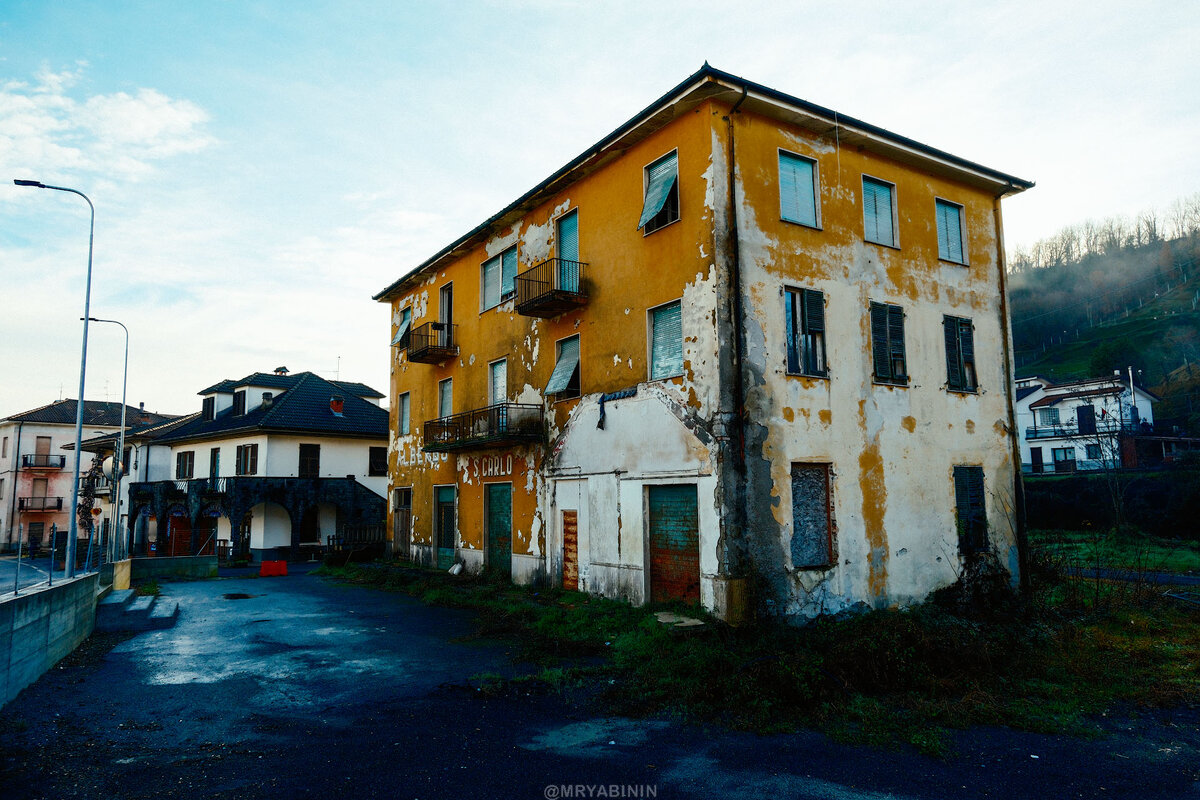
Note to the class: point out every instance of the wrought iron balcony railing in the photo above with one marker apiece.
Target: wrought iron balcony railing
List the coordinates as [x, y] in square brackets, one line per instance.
[433, 342]
[498, 425]
[550, 288]
[40, 503]
[42, 461]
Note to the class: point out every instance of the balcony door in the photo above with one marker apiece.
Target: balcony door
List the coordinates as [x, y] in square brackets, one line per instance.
[39, 494]
[41, 457]
[446, 316]
[568, 252]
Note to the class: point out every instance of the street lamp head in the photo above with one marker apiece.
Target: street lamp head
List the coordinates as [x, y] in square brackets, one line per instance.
[20, 182]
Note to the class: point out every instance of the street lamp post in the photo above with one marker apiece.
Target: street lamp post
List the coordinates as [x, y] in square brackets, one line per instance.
[87, 305]
[119, 461]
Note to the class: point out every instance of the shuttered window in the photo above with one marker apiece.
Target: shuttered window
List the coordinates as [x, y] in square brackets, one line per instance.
[402, 412]
[950, 232]
[969, 502]
[445, 397]
[666, 341]
[878, 215]
[185, 464]
[564, 381]
[498, 278]
[804, 312]
[661, 205]
[960, 354]
[498, 389]
[401, 337]
[887, 343]
[247, 460]
[568, 236]
[797, 189]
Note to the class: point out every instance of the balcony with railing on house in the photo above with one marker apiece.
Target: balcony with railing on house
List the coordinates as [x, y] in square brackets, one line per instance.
[1100, 428]
[42, 461]
[552, 287]
[39, 503]
[433, 342]
[497, 425]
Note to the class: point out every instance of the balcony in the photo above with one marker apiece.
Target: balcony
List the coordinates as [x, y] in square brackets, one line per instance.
[500, 425]
[433, 342]
[42, 461]
[1102, 428]
[550, 288]
[39, 503]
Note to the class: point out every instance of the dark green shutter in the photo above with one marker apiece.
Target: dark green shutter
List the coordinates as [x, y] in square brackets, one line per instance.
[969, 499]
[814, 311]
[896, 342]
[954, 373]
[879, 341]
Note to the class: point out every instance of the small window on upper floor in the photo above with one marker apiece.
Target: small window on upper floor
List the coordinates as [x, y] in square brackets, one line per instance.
[804, 316]
[950, 232]
[377, 461]
[208, 408]
[960, 354]
[564, 381]
[402, 412]
[879, 211]
[666, 341]
[887, 344]
[498, 278]
[661, 205]
[798, 189]
[402, 330]
[239, 403]
[445, 397]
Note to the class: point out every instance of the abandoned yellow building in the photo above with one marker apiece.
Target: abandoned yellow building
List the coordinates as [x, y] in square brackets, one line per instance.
[742, 351]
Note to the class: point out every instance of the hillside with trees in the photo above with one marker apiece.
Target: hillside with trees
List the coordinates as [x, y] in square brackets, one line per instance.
[1103, 296]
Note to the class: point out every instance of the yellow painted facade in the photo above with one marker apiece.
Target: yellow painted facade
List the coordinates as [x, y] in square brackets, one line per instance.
[735, 424]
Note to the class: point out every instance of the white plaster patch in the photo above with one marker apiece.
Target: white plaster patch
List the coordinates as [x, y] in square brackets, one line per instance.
[535, 243]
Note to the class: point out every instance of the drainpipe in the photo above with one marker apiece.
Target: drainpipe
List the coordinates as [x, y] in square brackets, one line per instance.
[1010, 400]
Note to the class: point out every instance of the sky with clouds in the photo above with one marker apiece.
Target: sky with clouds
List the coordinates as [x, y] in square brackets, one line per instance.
[260, 168]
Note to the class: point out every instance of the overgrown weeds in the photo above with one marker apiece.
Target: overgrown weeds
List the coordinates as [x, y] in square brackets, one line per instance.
[1048, 664]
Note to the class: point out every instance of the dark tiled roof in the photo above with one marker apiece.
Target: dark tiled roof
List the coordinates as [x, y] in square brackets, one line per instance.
[1025, 391]
[94, 413]
[359, 389]
[304, 407]
[145, 433]
[272, 381]
[225, 386]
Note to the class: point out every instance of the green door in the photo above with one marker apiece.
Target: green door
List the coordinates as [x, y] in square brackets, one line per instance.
[445, 522]
[499, 527]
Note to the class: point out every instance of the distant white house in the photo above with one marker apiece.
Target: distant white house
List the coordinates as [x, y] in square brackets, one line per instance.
[1082, 425]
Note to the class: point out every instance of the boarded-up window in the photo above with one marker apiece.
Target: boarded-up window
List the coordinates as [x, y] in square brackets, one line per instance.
[960, 354]
[804, 312]
[968, 500]
[887, 343]
[812, 525]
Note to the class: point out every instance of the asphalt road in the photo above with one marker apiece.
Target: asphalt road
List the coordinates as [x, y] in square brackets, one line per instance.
[309, 688]
[31, 573]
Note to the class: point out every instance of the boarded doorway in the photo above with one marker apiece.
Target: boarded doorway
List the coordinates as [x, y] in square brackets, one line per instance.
[402, 522]
[570, 534]
[674, 544]
[499, 527]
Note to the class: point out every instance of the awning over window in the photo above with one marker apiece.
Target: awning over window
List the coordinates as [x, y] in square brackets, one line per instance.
[401, 332]
[662, 178]
[564, 370]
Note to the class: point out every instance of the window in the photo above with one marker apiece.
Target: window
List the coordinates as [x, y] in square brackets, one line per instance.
[804, 312]
[1085, 419]
[208, 408]
[969, 503]
[797, 189]
[239, 403]
[1, 488]
[377, 461]
[666, 341]
[568, 237]
[887, 343]
[499, 278]
[402, 423]
[661, 206]
[185, 465]
[960, 354]
[310, 461]
[402, 330]
[950, 232]
[498, 382]
[446, 397]
[247, 459]
[879, 212]
[1093, 452]
[564, 381]
[4, 448]
[1048, 416]
[812, 526]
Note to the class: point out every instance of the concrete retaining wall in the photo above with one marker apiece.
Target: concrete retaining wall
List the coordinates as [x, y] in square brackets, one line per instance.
[38, 628]
[173, 567]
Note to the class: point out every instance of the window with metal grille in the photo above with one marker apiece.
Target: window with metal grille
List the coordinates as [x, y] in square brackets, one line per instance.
[969, 503]
[797, 189]
[804, 313]
[499, 278]
[879, 221]
[661, 205]
[950, 232]
[666, 341]
[960, 354]
[887, 344]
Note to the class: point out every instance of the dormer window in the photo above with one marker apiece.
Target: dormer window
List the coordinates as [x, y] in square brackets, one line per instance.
[208, 409]
[239, 403]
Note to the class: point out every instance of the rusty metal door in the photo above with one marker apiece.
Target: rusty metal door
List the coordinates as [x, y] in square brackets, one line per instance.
[674, 544]
[570, 533]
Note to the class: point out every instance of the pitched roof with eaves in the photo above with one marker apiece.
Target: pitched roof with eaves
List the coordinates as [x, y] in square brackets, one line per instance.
[303, 407]
[139, 433]
[271, 380]
[95, 412]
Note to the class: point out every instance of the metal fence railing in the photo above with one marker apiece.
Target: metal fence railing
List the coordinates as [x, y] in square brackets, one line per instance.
[40, 563]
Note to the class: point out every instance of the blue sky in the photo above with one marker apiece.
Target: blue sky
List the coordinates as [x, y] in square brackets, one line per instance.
[260, 169]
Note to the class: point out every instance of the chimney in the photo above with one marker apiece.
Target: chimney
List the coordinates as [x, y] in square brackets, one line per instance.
[281, 370]
[143, 417]
[336, 403]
